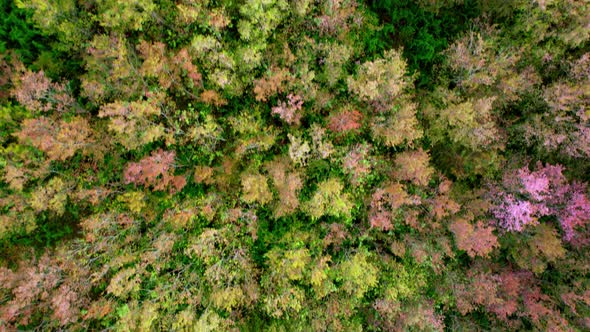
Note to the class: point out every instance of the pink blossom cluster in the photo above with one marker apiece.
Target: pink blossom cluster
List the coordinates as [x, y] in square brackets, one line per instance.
[289, 112]
[514, 215]
[528, 196]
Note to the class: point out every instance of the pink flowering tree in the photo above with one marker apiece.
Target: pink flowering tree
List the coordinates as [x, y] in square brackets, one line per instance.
[290, 111]
[525, 196]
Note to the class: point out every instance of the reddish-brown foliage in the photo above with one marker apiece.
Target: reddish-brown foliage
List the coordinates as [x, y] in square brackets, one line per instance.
[385, 204]
[40, 286]
[36, 92]
[509, 295]
[573, 300]
[272, 84]
[337, 234]
[443, 205]
[345, 121]
[413, 166]
[288, 185]
[155, 171]
[212, 98]
[477, 240]
[59, 140]
[31, 88]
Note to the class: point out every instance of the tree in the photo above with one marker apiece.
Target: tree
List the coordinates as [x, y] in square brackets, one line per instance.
[345, 121]
[476, 240]
[168, 68]
[414, 166]
[536, 252]
[155, 171]
[469, 124]
[398, 126]
[124, 15]
[231, 274]
[329, 200]
[59, 140]
[530, 195]
[255, 189]
[272, 84]
[358, 163]
[288, 184]
[386, 204]
[290, 112]
[359, 275]
[479, 66]
[133, 122]
[110, 70]
[62, 19]
[564, 128]
[36, 92]
[381, 81]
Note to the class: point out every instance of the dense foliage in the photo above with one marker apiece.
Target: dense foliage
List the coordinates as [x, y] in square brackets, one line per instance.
[294, 165]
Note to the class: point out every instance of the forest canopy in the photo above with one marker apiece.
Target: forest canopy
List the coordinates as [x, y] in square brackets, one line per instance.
[294, 165]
